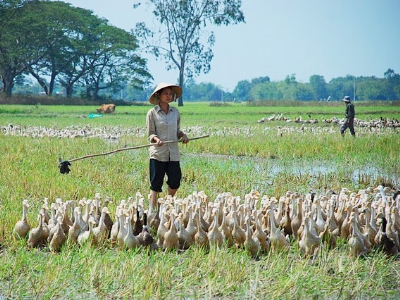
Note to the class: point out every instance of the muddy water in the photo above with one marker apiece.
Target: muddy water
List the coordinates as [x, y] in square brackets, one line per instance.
[268, 169]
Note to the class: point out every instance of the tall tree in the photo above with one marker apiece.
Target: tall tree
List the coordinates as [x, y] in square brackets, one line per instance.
[54, 41]
[63, 23]
[341, 86]
[242, 90]
[288, 87]
[318, 85]
[370, 88]
[22, 30]
[80, 50]
[392, 85]
[180, 35]
[266, 91]
[114, 61]
[260, 80]
[101, 56]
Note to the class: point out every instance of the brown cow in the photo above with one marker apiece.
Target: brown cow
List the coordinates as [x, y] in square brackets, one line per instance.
[106, 108]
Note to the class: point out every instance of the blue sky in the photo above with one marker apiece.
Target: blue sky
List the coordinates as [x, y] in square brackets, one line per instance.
[331, 38]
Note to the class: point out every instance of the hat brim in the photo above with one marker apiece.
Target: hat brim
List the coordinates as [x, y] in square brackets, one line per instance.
[346, 99]
[176, 90]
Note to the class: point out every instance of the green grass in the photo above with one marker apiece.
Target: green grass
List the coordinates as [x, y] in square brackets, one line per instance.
[239, 156]
[193, 113]
[194, 274]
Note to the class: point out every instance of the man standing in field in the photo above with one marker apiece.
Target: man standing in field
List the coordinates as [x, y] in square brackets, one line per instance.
[350, 114]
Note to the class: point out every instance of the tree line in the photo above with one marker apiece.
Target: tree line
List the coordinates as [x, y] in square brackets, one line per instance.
[358, 88]
[56, 43]
[51, 47]
[261, 88]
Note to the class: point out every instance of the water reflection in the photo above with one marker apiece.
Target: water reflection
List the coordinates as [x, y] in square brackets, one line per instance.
[268, 169]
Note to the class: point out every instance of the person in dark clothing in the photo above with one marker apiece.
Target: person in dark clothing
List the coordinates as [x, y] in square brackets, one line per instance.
[350, 114]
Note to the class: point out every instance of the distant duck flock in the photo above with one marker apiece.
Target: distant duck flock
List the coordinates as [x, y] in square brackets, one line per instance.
[291, 126]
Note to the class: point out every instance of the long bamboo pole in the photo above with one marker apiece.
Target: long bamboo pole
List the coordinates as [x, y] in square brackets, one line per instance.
[64, 164]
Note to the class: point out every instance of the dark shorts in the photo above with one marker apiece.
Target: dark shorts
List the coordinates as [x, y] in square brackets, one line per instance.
[158, 170]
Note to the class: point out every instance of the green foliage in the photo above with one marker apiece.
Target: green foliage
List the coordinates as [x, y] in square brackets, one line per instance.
[318, 84]
[180, 39]
[71, 52]
[53, 41]
[23, 27]
[364, 88]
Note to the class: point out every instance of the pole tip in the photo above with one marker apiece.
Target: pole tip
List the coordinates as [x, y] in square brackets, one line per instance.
[64, 167]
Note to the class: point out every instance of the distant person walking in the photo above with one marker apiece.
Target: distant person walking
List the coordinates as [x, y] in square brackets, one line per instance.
[350, 114]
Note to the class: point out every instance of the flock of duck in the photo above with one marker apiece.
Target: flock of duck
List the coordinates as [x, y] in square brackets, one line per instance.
[115, 132]
[87, 131]
[367, 220]
[373, 123]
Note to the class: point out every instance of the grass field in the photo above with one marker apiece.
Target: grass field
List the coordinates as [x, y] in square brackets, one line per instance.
[241, 154]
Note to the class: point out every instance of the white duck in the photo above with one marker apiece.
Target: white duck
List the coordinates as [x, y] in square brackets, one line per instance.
[22, 227]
